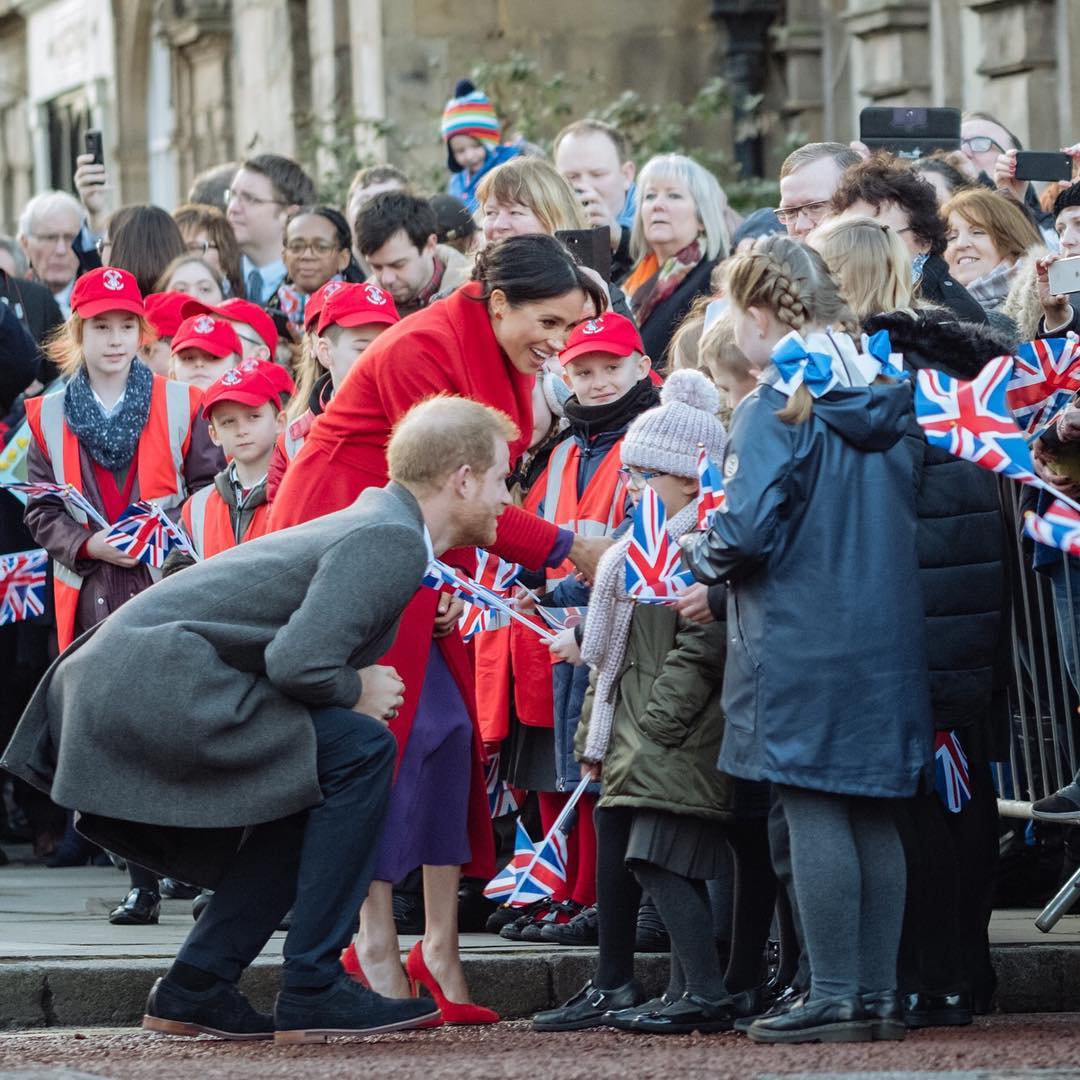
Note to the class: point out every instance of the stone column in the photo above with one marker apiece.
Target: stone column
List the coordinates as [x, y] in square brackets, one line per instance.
[890, 52]
[16, 150]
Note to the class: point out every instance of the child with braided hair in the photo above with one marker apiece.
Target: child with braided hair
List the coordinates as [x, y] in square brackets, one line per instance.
[825, 685]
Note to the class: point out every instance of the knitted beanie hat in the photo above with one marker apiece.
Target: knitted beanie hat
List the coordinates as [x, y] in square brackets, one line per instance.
[668, 438]
[469, 112]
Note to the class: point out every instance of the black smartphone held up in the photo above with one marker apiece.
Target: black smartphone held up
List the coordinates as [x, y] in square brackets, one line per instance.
[910, 132]
[93, 146]
[1039, 165]
[591, 247]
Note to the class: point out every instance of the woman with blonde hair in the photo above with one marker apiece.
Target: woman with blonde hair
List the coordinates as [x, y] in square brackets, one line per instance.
[679, 235]
[526, 196]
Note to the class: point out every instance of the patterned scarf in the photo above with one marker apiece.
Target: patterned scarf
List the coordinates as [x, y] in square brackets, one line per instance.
[607, 631]
[424, 296]
[109, 440]
[992, 290]
[649, 293]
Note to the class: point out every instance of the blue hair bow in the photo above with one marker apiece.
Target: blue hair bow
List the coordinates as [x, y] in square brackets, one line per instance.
[800, 367]
[880, 348]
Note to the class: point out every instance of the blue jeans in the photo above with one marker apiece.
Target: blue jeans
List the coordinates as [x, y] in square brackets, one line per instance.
[319, 862]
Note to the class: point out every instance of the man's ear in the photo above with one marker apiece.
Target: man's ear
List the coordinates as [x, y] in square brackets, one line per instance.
[462, 479]
[430, 246]
[629, 171]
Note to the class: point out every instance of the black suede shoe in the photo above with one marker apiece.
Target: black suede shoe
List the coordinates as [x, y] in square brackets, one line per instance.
[1056, 808]
[786, 999]
[690, 1013]
[886, 1015]
[623, 1019]
[837, 1019]
[177, 890]
[588, 1007]
[346, 1008]
[937, 1010]
[582, 929]
[140, 907]
[222, 1011]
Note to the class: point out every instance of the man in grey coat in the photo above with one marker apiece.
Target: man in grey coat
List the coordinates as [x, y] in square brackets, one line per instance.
[227, 727]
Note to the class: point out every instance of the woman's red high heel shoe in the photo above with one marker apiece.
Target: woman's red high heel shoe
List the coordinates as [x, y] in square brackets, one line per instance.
[453, 1012]
[351, 963]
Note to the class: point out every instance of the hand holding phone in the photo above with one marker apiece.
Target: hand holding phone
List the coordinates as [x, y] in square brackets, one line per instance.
[1038, 165]
[1064, 276]
[92, 181]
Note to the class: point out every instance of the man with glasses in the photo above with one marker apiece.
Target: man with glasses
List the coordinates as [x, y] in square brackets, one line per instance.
[48, 227]
[808, 179]
[264, 191]
[982, 139]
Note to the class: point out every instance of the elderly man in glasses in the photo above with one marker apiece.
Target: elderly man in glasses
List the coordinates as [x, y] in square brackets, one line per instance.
[809, 178]
[48, 227]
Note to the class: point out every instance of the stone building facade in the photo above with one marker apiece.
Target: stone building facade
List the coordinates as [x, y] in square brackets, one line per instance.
[178, 85]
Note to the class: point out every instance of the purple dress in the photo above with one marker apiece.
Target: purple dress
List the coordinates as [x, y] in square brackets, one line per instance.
[427, 820]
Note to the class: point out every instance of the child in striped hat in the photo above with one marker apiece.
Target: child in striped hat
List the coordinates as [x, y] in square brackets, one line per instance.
[471, 132]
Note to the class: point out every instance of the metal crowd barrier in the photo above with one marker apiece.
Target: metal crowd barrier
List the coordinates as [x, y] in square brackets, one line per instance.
[1042, 696]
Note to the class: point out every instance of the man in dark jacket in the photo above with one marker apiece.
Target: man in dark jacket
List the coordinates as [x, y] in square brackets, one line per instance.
[963, 548]
[889, 190]
[255, 759]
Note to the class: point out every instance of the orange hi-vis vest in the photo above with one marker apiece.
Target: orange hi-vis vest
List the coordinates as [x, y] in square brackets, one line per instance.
[207, 519]
[597, 511]
[159, 461]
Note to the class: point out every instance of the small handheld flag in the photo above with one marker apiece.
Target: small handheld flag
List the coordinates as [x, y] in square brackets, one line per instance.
[711, 494]
[144, 532]
[654, 572]
[1058, 527]
[1045, 376]
[505, 883]
[68, 493]
[495, 573]
[22, 585]
[952, 780]
[501, 799]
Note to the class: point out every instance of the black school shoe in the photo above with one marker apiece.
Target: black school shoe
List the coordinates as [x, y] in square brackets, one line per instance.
[937, 1010]
[557, 915]
[526, 917]
[885, 1011]
[690, 1013]
[623, 1019]
[788, 997]
[171, 889]
[140, 907]
[589, 1007]
[582, 929]
[222, 1011]
[836, 1019]
[346, 1008]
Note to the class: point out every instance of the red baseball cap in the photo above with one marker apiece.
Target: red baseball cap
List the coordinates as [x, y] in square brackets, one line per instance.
[213, 335]
[254, 382]
[607, 333]
[163, 311]
[107, 288]
[237, 310]
[272, 371]
[316, 300]
[357, 305]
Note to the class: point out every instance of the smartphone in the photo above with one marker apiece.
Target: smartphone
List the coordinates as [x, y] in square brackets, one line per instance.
[93, 146]
[910, 131]
[591, 247]
[1036, 165]
[1064, 276]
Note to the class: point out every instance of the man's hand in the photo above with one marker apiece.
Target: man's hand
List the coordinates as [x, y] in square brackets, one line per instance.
[585, 553]
[96, 548]
[565, 647]
[92, 184]
[382, 693]
[693, 604]
[447, 613]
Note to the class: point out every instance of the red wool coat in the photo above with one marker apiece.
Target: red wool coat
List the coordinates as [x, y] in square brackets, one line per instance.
[446, 348]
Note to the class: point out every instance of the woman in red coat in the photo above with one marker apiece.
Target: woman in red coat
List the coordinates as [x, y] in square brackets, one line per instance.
[487, 341]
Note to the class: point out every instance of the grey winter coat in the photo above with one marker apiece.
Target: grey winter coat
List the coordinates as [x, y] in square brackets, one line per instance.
[188, 708]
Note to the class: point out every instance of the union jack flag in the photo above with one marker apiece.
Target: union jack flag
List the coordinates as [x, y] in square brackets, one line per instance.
[952, 780]
[1045, 376]
[495, 573]
[22, 585]
[1059, 527]
[501, 798]
[545, 873]
[561, 618]
[145, 533]
[475, 619]
[654, 573]
[711, 494]
[505, 883]
[68, 493]
[971, 420]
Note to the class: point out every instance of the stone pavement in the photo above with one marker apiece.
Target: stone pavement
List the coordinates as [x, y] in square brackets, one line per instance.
[62, 963]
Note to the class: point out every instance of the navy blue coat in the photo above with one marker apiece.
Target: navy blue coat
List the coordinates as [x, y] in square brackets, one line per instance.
[826, 679]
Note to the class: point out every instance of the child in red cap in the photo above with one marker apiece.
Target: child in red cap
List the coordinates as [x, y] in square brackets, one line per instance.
[118, 433]
[244, 408]
[203, 349]
[350, 317]
[163, 314]
[256, 330]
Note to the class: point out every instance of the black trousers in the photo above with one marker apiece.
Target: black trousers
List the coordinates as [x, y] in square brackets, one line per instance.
[318, 862]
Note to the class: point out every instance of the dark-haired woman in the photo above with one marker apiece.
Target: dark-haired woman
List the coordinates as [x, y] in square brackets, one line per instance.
[143, 240]
[317, 249]
[487, 341]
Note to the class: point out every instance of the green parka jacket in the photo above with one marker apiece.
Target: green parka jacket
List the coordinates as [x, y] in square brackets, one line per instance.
[668, 725]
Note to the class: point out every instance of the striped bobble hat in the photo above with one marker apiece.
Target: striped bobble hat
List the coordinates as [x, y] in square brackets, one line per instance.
[469, 112]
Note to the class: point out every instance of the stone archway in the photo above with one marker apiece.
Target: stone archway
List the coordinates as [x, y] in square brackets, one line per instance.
[132, 22]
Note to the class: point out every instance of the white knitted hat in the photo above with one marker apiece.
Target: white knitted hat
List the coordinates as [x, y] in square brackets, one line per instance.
[668, 437]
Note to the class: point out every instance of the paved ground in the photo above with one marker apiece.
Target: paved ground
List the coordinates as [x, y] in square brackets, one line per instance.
[1000, 1048]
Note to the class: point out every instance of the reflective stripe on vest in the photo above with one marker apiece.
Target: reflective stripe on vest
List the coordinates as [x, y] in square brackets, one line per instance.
[194, 516]
[209, 522]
